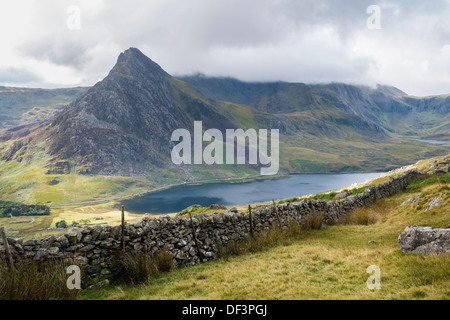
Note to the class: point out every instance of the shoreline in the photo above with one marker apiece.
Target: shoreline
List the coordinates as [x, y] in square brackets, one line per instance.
[138, 206]
[219, 180]
[139, 194]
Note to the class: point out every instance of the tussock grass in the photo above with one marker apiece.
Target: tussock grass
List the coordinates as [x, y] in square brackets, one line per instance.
[132, 267]
[164, 261]
[313, 221]
[360, 216]
[32, 280]
[258, 242]
[442, 180]
[272, 237]
[368, 215]
[137, 267]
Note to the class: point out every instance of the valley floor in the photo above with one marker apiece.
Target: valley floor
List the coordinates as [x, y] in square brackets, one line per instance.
[330, 263]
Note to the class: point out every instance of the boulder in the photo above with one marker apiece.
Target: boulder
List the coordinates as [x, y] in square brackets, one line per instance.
[217, 207]
[433, 203]
[341, 195]
[424, 240]
[411, 200]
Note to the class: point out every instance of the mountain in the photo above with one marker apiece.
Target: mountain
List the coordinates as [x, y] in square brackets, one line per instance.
[124, 120]
[114, 139]
[19, 106]
[384, 106]
[122, 125]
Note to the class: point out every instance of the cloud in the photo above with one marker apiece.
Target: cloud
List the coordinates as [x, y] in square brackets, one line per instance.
[14, 76]
[289, 40]
[64, 52]
[268, 62]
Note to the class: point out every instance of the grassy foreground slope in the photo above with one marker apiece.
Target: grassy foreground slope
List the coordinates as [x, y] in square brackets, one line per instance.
[330, 263]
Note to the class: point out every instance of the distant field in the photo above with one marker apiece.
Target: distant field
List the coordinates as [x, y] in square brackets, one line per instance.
[37, 226]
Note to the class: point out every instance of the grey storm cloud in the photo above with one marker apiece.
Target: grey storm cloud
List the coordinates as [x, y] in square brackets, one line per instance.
[257, 40]
[14, 76]
[61, 52]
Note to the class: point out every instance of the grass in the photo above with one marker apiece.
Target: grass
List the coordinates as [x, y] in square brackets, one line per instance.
[329, 263]
[313, 221]
[32, 280]
[324, 196]
[441, 179]
[305, 263]
[330, 195]
[198, 209]
[26, 226]
[293, 199]
[367, 216]
[136, 267]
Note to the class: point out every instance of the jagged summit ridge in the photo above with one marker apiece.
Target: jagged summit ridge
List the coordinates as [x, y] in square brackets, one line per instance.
[133, 63]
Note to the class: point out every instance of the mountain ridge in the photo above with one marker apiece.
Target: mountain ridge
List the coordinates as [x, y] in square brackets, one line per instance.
[121, 127]
[382, 106]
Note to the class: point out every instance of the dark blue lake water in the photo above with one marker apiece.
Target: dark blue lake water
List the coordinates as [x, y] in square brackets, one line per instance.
[178, 198]
[439, 142]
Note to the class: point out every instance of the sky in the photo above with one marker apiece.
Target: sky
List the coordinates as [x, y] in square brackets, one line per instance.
[60, 43]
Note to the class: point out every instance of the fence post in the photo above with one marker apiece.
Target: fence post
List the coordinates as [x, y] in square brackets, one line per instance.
[275, 210]
[195, 237]
[250, 220]
[6, 244]
[123, 228]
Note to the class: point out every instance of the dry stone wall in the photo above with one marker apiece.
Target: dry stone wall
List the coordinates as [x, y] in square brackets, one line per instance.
[93, 247]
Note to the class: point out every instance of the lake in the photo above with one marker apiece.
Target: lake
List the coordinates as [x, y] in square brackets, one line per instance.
[178, 198]
[439, 142]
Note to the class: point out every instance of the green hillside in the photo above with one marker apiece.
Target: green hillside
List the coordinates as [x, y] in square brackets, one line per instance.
[384, 106]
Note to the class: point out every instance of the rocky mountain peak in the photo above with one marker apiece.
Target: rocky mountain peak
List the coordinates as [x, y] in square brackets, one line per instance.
[123, 120]
[133, 63]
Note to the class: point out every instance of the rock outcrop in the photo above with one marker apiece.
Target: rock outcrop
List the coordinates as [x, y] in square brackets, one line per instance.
[424, 240]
